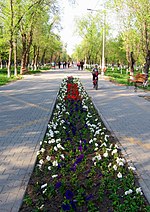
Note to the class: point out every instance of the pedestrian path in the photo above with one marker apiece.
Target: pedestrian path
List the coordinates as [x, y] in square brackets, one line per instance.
[26, 107]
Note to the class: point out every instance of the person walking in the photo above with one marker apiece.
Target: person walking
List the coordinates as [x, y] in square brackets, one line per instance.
[59, 64]
[78, 65]
[82, 64]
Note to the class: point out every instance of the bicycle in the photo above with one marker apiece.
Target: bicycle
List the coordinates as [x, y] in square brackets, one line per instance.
[95, 82]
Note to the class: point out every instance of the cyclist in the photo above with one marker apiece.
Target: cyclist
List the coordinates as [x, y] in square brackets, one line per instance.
[95, 74]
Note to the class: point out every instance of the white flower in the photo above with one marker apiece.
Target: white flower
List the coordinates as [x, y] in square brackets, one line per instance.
[119, 175]
[49, 168]
[94, 163]
[55, 175]
[109, 165]
[128, 192]
[42, 206]
[42, 150]
[90, 141]
[114, 151]
[99, 157]
[121, 163]
[115, 167]
[60, 146]
[106, 136]
[105, 154]
[55, 163]
[111, 145]
[62, 155]
[58, 140]
[131, 168]
[38, 153]
[44, 191]
[40, 142]
[96, 149]
[48, 158]
[41, 161]
[55, 148]
[51, 141]
[44, 185]
[139, 191]
[39, 165]
[96, 144]
[103, 144]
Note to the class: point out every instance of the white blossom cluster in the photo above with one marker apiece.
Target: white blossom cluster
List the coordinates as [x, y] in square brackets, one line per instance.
[101, 148]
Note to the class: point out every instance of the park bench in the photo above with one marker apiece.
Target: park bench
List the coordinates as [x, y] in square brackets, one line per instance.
[137, 80]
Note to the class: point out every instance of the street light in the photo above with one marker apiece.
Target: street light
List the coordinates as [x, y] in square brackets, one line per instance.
[103, 43]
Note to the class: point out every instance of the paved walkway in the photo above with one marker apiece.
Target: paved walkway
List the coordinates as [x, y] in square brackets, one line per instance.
[26, 107]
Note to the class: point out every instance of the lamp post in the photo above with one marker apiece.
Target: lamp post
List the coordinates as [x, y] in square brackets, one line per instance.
[103, 42]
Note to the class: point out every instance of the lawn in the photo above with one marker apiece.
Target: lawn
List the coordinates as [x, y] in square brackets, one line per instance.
[79, 165]
[122, 78]
[5, 80]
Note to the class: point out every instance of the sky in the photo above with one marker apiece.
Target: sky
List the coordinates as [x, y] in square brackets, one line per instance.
[70, 13]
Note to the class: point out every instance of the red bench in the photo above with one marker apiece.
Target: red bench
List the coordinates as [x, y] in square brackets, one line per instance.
[138, 79]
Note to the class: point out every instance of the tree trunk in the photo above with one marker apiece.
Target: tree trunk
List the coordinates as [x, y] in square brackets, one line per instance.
[1, 63]
[15, 56]
[33, 60]
[36, 59]
[28, 48]
[24, 52]
[43, 57]
[11, 39]
[146, 36]
[10, 58]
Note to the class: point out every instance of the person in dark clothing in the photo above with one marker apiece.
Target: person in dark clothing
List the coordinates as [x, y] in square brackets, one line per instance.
[59, 64]
[95, 73]
[81, 64]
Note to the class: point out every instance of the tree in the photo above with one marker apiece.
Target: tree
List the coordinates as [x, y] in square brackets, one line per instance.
[136, 22]
[90, 29]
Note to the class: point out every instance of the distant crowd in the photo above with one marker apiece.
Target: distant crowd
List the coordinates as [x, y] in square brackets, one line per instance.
[68, 64]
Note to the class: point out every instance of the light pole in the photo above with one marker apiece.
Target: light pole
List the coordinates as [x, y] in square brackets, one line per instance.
[103, 42]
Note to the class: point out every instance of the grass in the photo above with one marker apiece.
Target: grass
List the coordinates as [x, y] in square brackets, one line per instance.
[5, 80]
[79, 165]
[121, 78]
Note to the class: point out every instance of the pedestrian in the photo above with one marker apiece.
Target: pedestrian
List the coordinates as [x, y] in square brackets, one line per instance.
[59, 64]
[68, 64]
[78, 65]
[81, 64]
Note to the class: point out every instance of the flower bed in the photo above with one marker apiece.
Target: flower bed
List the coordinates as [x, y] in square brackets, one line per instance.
[79, 166]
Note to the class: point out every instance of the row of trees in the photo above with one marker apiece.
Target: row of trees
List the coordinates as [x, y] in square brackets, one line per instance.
[133, 33]
[27, 33]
